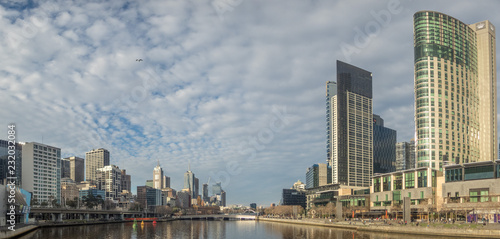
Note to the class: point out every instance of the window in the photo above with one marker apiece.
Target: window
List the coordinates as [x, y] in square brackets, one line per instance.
[387, 183]
[421, 194]
[398, 182]
[480, 172]
[376, 185]
[479, 195]
[410, 180]
[422, 179]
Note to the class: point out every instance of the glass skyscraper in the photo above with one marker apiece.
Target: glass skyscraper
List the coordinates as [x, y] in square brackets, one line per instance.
[405, 155]
[455, 90]
[351, 127]
[384, 147]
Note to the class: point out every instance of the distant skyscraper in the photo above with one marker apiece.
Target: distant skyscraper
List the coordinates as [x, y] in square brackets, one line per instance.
[331, 91]
[126, 181]
[205, 192]
[455, 90]
[42, 171]
[318, 175]
[384, 147]
[351, 127]
[217, 188]
[109, 179]
[166, 182]
[158, 177]
[196, 187]
[77, 169]
[189, 183]
[65, 168]
[405, 155]
[142, 195]
[223, 198]
[97, 158]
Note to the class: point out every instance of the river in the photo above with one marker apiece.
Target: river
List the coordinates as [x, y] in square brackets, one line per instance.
[206, 230]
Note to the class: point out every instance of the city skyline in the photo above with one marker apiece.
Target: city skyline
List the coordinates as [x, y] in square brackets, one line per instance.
[238, 92]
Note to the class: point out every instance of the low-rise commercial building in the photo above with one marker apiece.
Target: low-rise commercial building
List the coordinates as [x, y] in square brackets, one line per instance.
[472, 190]
[422, 185]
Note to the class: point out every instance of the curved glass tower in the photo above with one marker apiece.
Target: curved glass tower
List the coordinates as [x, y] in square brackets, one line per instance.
[455, 90]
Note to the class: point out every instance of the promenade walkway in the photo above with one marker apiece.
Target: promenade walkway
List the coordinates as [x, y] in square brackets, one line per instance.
[464, 230]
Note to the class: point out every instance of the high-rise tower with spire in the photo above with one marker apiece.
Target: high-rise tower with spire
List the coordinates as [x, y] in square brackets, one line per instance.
[158, 177]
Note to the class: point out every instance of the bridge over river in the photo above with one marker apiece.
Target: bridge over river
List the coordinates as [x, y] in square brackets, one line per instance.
[60, 214]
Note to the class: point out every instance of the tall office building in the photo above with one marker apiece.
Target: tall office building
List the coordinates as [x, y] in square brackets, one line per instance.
[205, 196]
[318, 175]
[4, 162]
[109, 179]
[405, 155]
[384, 147]
[455, 90]
[166, 181]
[196, 187]
[331, 91]
[65, 168]
[189, 183]
[126, 181]
[217, 188]
[77, 169]
[351, 126]
[158, 177]
[42, 171]
[97, 158]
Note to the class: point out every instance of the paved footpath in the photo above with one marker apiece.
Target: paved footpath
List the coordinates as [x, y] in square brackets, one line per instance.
[434, 229]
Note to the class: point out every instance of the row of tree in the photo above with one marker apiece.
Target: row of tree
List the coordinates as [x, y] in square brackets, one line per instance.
[89, 201]
[284, 211]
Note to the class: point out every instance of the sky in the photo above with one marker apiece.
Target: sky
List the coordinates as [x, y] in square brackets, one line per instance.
[233, 88]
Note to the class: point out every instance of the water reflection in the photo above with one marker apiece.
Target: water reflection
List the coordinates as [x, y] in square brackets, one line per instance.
[286, 231]
[207, 230]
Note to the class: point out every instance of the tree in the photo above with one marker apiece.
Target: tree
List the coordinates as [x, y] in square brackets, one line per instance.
[109, 204]
[35, 201]
[72, 203]
[136, 207]
[92, 201]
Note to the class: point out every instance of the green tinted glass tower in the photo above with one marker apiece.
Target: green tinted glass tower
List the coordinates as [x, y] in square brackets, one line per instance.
[455, 90]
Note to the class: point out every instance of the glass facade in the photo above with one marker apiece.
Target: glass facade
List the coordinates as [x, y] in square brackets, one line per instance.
[352, 149]
[453, 175]
[410, 180]
[318, 175]
[384, 147]
[422, 179]
[405, 155]
[294, 197]
[446, 91]
[480, 172]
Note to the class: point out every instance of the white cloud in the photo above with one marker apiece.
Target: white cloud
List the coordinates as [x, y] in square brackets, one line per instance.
[207, 85]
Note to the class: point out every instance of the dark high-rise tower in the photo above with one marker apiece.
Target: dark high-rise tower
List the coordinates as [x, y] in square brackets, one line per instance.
[384, 147]
[351, 143]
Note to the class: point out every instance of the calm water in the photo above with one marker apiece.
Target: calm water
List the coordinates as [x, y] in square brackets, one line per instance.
[206, 230]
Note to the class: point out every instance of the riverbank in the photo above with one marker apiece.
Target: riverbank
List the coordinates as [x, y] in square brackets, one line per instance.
[462, 230]
[18, 232]
[31, 227]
